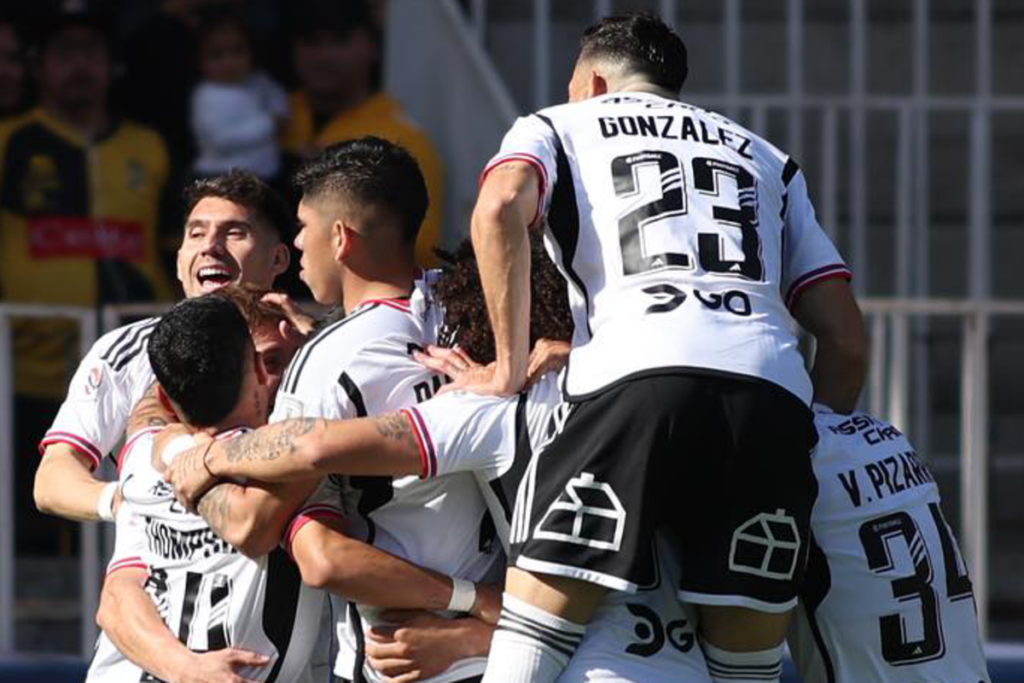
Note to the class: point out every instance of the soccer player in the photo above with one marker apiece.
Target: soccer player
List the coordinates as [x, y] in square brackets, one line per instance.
[886, 594]
[689, 246]
[254, 609]
[643, 638]
[361, 208]
[233, 233]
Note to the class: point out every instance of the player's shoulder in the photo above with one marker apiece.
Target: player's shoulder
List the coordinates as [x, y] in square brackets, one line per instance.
[125, 346]
[373, 327]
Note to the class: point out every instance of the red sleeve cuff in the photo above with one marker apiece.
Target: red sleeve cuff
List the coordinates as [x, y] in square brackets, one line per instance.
[305, 516]
[800, 285]
[126, 563]
[542, 175]
[80, 445]
[428, 456]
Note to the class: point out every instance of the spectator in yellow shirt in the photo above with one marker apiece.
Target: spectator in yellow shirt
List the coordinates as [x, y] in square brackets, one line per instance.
[336, 51]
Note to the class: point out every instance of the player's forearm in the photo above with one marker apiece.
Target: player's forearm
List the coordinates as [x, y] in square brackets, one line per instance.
[252, 518]
[297, 449]
[357, 571]
[64, 486]
[130, 619]
[500, 238]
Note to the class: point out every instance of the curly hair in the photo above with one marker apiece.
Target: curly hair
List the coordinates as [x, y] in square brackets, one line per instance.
[466, 322]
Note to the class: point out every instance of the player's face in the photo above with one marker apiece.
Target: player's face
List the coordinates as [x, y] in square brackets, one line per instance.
[320, 269]
[275, 352]
[223, 245]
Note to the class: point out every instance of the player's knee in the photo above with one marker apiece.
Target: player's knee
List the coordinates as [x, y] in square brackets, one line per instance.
[739, 629]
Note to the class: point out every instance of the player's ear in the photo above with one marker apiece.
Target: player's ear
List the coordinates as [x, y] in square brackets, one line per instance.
[262, 376]
[281, 257]
[597, 86]
[346, 243]
[167, 404]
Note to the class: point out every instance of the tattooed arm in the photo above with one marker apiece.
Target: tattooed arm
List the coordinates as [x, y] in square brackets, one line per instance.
[149, 412]
[253, 517]
[301, 449]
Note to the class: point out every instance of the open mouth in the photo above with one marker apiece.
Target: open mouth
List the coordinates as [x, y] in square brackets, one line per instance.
[214, 277]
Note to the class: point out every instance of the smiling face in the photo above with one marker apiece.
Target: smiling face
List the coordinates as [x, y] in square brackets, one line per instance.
[224, 244]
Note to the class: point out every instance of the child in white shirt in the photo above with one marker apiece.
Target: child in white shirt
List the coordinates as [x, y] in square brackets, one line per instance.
[236, 109]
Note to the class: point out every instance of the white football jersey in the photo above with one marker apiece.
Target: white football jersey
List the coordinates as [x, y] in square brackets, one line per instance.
[642, 637]
[683, 238]
[886, 594]
[210, 595]
[109, 382]
[359, 366]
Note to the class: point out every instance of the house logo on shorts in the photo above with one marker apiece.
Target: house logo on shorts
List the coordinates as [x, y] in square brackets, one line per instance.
[588, 512]
[766, 545]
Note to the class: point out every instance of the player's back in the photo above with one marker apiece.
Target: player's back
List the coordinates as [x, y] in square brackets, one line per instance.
[886, 596]
[666, 219]
[210, 595]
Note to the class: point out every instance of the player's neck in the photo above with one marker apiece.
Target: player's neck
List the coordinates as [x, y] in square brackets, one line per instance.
[644, 86]
[356, 290]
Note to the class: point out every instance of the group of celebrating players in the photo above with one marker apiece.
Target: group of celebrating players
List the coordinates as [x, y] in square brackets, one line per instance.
[586, 449]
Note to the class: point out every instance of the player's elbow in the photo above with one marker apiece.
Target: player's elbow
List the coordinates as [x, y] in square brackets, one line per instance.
[45, 491]
[315, 567]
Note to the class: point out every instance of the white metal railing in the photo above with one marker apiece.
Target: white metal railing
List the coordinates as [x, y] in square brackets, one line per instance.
[91, 547]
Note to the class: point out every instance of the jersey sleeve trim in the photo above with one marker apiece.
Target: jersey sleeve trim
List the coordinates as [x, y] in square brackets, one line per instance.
[428, 456]
[80, 444]
[126, 563]
[835, 270]
[306, 515]
[541, 174]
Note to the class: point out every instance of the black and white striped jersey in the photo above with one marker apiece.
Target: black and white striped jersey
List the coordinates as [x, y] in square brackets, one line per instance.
[642, 637]
[208, 594]
[109, 382]
[362, 365]
[886, 594]
[683, 238]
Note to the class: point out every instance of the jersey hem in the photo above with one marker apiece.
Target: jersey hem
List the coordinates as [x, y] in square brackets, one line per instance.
[428, 458]
[588, 575]
[304, 517]
[800, 285]
[675, 370]
[76, 442]
[736, 601]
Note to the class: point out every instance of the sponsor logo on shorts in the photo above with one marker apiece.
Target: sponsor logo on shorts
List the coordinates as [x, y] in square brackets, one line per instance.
[588, 512]
[766, 545]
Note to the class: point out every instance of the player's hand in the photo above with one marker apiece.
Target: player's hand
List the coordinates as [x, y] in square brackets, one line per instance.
[418, 645]
[547, 356]
[189, 476]
[302, 323]
[221, 666]
[453, 361]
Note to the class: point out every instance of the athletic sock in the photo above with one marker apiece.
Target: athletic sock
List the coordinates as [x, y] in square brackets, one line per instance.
[530, 645]
[764, 666]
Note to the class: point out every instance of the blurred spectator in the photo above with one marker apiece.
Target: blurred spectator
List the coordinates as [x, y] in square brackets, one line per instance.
[337, 53]
[12, 68]
[79, 196]
[236, 109]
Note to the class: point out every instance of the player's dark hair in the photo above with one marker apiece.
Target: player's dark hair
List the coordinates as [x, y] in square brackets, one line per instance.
[643, 43]
[369, 171]
[198, 351]
[245, 189]
[466, 322]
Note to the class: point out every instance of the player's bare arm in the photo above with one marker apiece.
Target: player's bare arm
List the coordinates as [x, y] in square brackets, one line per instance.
[64, 485]
[505, 210]
[331, 560]
[130, 619]
[419, 644]
[829, 311]
[253, 517]
[301, 449]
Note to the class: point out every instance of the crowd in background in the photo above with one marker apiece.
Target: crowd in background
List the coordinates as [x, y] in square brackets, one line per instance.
[109, 108]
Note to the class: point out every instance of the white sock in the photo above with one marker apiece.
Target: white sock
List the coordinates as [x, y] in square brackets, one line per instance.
[530, 645]
[764, 666]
